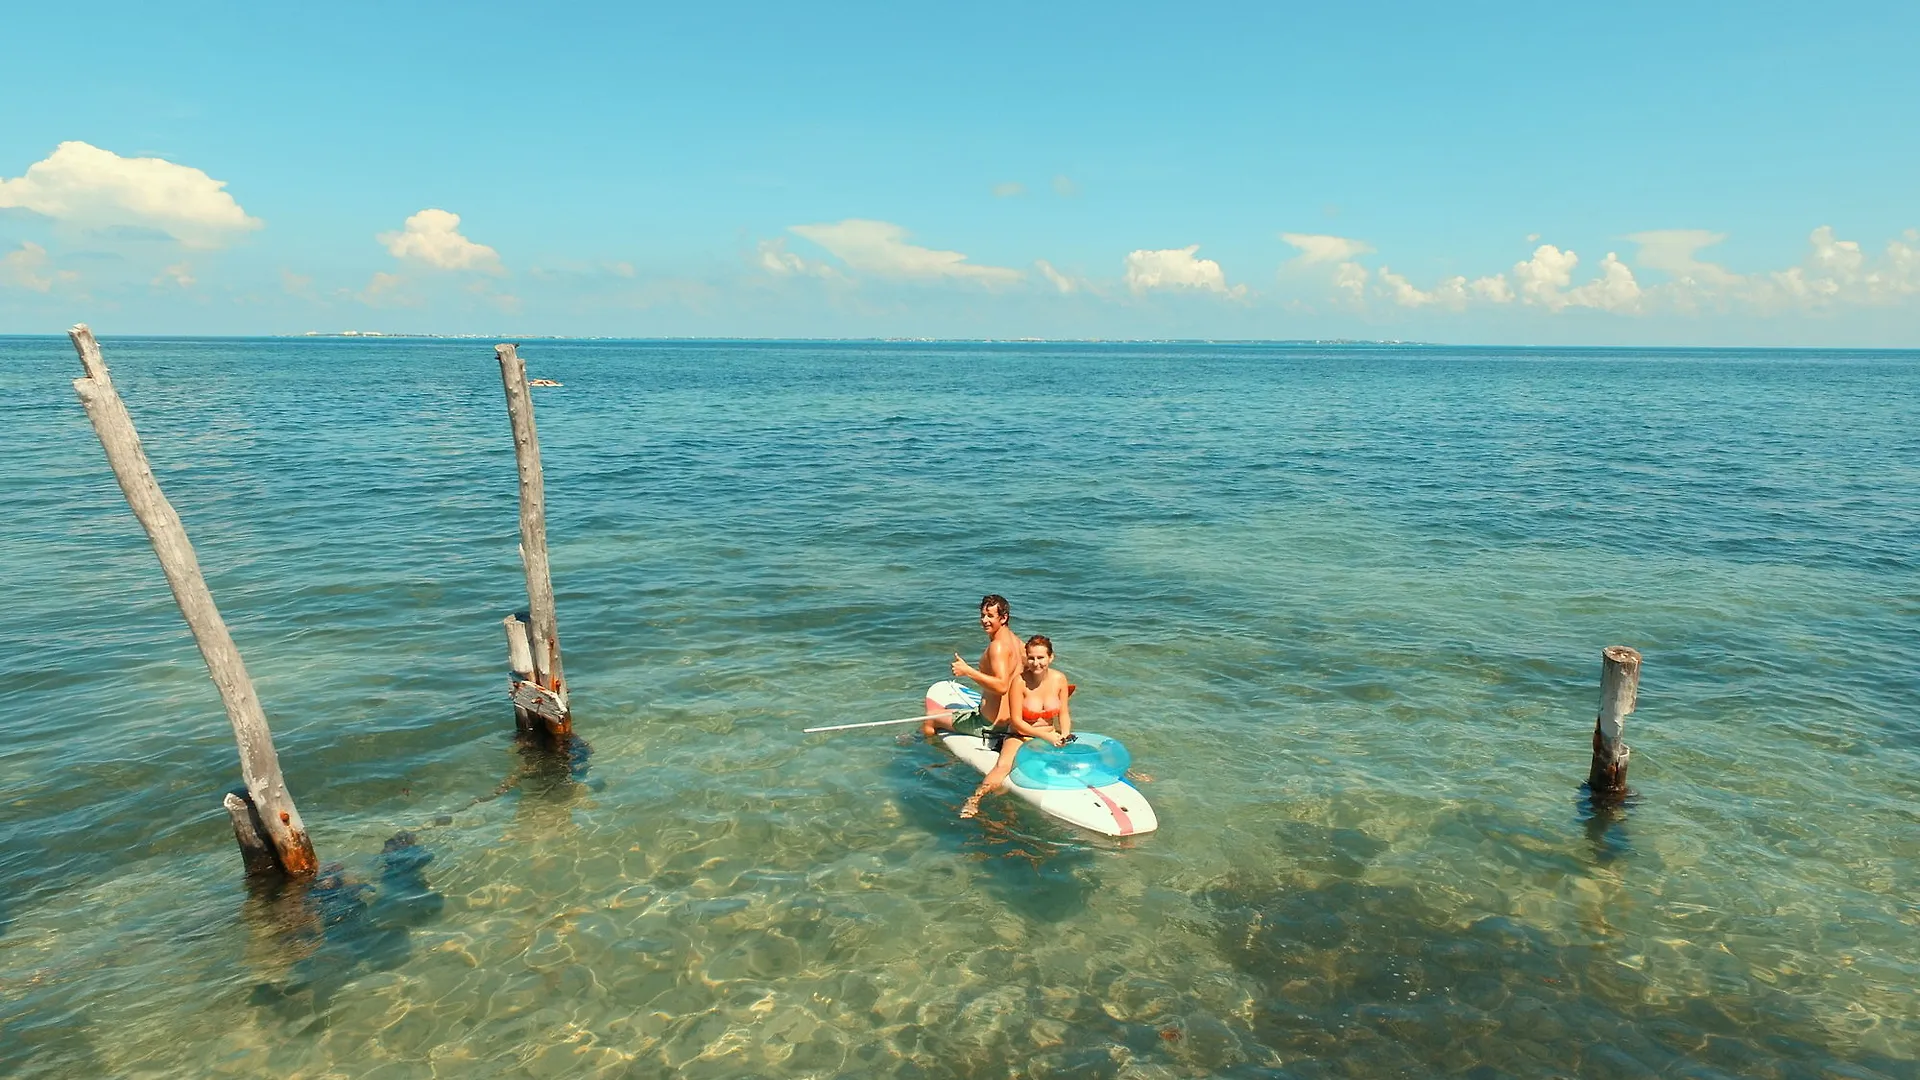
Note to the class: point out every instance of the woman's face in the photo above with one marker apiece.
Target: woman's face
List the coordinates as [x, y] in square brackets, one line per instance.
[1039, 659]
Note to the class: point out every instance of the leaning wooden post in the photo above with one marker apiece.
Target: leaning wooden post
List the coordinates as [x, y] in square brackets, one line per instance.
[285, 844]
[545, 694]
[1619, 687]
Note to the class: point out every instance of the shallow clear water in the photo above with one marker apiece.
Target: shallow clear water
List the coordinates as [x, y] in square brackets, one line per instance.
[1344, 605]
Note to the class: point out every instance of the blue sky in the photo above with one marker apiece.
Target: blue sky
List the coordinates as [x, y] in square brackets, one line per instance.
[1435, 172]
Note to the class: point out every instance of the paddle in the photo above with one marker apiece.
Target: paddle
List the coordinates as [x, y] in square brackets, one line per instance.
[880, 723]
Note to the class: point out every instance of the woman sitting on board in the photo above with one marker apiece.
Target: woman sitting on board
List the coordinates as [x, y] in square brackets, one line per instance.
[1036, 705]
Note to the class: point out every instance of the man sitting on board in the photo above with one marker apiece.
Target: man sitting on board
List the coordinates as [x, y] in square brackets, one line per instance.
[999, 668]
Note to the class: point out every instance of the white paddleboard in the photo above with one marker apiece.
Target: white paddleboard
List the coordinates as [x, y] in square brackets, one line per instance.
[1115, 808]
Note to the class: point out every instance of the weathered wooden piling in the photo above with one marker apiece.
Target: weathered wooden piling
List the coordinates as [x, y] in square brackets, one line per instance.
[541, 691]
[265, 803]
[1619, 687]
[519, 666]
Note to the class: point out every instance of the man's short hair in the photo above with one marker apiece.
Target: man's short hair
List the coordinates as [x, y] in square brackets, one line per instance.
[998, 604]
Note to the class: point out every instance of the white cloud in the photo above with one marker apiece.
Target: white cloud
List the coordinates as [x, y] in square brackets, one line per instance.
[1060, 281]
[1544, 279]
[1064, 187]
[1317, 248]
[1834, 272]
[1675, 252]
[1177, 268]
[1493, 288]
[1009, 190]
[1839, 258]
[880, 248]
[84, 185]
[1838, 271]
[1614, 290]
[433, 237]
[1403, 291]
[179, 273]
[775, 259]
[1453, 293]
[26, 267]
[1351, 278]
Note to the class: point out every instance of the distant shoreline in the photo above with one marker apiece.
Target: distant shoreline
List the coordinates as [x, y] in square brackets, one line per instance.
[1392, 343]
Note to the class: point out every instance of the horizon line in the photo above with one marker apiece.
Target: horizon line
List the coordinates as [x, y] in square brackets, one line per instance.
[376, 335]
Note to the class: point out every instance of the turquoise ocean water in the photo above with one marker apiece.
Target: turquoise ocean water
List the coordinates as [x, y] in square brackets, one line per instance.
[1343, 604]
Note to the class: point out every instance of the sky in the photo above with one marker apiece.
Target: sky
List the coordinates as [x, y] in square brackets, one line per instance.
[1642, 174]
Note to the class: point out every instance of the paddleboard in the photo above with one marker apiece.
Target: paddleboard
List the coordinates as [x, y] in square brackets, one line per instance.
[1082, 784]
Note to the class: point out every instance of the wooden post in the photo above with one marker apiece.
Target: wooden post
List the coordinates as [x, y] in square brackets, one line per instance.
[271, 805]
[255, 853]
[519, 650]
[519, 667]
[1619, 687]
[546, 693]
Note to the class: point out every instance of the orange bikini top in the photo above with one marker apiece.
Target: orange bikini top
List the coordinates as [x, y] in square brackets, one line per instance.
[1045, 714]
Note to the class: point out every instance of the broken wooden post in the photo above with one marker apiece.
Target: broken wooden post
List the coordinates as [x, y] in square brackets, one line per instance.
[255, 855]
[1619, 686]
[266, 803]
[544, 694]
[519, 665]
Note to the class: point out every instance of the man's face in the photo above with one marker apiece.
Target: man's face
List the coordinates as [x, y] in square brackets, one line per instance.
[991, 620]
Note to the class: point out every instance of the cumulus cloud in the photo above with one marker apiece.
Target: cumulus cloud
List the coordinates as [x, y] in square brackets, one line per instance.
[1403, 291]
[1318, 248]
[27, 267]
[880, 248]
[1494, 289]
[1351, 278]
[1009, 189]
[1544, 280]
[1543, 277]
[1064, 187]
[1453, 293]
[1059, 280]
[432, 237]
[1177, 268]
[1614, 290]
[86, 186]
[1834, 272]
[1837, 271]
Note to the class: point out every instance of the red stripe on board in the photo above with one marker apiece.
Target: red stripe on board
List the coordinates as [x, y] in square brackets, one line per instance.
[1119, 815]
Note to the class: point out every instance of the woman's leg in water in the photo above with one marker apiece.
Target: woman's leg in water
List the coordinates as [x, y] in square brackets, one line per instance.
[996, 778]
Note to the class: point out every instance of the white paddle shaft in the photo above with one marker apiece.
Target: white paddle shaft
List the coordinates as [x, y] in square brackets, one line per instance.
[880, 723]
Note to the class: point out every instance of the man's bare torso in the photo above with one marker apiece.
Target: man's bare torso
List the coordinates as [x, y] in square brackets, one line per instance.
[1002, 660]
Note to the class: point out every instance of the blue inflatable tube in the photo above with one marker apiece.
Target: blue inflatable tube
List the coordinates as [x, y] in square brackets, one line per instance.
[1088, 761]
